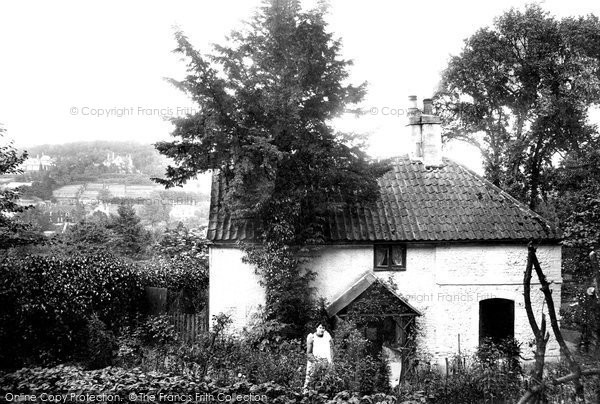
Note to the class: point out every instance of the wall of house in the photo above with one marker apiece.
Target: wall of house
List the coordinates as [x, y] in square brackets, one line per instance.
[445, 282]
[234, 287]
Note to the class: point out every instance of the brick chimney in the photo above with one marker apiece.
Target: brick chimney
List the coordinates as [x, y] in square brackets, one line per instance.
[425, 133]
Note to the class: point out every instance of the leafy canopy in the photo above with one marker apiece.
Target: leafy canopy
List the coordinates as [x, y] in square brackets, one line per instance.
[265, 102]
[13, 232]
[520, 91]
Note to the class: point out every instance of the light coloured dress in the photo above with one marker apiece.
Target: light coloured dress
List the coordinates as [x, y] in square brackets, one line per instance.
[321, 351]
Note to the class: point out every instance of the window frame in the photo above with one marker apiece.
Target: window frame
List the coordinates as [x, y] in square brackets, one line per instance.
[390, 266]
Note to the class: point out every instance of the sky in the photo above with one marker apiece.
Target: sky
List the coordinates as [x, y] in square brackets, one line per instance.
[94, 70]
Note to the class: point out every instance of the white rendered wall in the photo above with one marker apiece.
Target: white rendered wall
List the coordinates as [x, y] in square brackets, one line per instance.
[445, 282]
[233, 286]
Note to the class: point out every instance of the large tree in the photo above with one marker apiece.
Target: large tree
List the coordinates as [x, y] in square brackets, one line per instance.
[265, 101]
[520, 91]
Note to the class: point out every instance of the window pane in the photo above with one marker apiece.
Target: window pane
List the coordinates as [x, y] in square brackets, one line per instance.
[397, 256]
[381, 256]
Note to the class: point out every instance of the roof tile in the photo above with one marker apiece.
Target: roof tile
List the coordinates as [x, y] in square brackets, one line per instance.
[416, 204]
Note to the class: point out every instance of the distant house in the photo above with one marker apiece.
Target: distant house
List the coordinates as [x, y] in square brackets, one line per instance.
[123, 163]
[38, 163]
[455, 245]
[16, 184]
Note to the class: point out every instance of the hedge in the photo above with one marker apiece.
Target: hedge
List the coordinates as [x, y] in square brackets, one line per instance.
[46, 302]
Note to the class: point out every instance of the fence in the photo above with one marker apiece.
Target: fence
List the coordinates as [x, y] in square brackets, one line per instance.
[190, 326]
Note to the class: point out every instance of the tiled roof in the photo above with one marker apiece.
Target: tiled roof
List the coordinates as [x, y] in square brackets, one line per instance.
[448, 203]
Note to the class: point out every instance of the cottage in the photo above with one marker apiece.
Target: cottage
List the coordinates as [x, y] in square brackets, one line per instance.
[454, 244]
[38, 163]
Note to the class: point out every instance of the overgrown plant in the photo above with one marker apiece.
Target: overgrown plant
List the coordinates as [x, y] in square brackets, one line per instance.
[101, 344]
[490, 375]
[47, 302]
[265, 102]
[355, 367]
[288, 291]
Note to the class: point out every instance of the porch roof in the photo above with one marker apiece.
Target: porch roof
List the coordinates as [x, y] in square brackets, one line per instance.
[358, 288]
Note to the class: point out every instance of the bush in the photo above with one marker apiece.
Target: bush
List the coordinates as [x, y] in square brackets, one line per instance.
[46, 302]
[101, 344]
[493, 374]
[186, 278]
[159, 332]
[565, 393]
[584, 316]
[148, 344]
[354, 368]
[259, 355]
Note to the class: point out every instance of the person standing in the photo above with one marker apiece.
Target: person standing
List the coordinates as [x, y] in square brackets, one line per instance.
[318, 352]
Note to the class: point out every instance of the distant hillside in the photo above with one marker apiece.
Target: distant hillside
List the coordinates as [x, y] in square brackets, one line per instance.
[85, 161]
[52, 166]
[68, 182]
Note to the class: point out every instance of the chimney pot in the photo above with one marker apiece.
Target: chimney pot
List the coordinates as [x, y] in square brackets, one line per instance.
[412, 102]
[428, 106]
[425, 133]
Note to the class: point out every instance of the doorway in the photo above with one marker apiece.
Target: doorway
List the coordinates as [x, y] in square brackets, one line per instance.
[496, 319]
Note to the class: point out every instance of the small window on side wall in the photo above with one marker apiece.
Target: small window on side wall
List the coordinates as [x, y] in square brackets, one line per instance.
[390, 257]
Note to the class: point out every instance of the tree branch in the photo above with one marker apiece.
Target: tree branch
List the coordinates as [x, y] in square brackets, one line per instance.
[573, 365]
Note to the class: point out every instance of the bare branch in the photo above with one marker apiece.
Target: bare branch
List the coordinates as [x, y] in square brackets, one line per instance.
[573, 365]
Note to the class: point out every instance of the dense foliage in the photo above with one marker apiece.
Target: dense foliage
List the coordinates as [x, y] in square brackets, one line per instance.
[87, 235]
[263, 122]
[121, 382]
[577, 188]
[122, 234]
[259, 357]
[13, 232]
[131, 235]
[46, 303]
[265, 101]
[289, 295]
[471, 383]
[71, 296]
[520, 91]
[180, 264]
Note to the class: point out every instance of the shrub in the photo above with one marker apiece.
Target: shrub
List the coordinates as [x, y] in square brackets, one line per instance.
[259, 355]
[45, 304]
[493, 374]
[185, 277]
[101, 344]
[583, 316]
[158, 331]
[355, 368]
[148, 343]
